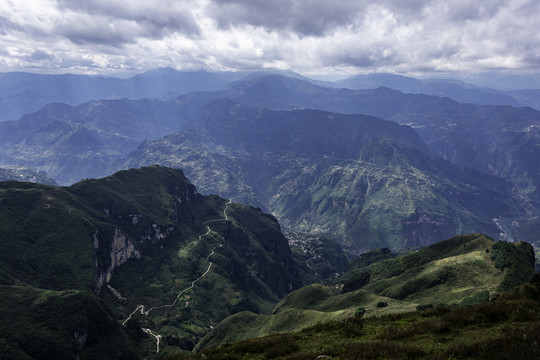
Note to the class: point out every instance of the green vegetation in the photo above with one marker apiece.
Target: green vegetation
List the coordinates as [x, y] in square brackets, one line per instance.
[446, 272]
[506, 328]
[501, 254]
[478, 298]
[143, 237]
[144, 249]
[452, 272]
[47, 324]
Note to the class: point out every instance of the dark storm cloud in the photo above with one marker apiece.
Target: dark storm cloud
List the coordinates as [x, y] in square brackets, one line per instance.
[314, 17]
[117, 22]
[84, 30]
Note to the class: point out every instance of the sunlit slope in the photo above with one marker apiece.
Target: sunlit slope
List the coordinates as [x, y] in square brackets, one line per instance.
[465, 269]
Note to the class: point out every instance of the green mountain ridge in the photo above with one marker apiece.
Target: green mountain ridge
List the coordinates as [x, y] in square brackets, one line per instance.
[140, 264]
[505, 328]
[462, 270]
[139, 237]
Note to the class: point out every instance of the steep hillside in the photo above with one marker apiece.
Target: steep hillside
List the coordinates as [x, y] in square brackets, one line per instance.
[68, 324]
[500, 140]
[363, 180]
[146, 243]
[462, 270]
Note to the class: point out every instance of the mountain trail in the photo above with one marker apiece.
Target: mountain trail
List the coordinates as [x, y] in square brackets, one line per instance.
[158, 337]
[141, 308]
[315, 256]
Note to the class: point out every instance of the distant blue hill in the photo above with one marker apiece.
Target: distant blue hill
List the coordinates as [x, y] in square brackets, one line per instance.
[23, 93]
[455, 89]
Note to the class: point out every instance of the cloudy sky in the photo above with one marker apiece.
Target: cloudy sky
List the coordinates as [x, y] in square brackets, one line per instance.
[311, 37]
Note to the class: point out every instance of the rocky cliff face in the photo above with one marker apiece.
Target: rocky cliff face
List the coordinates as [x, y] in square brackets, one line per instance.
[120, 249]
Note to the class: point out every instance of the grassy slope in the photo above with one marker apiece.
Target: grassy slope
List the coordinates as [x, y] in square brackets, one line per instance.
[506, 328]
[457, 270]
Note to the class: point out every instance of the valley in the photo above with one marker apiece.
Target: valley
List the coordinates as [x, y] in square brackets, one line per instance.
[266, 215]
[375, 184]
[189, 132]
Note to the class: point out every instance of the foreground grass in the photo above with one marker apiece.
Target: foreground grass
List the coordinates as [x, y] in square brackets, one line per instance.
[507, 328]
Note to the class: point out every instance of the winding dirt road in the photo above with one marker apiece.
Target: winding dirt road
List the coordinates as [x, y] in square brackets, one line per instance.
[141, 308]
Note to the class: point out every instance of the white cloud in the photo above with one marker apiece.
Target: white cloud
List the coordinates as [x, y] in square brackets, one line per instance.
[311, 37]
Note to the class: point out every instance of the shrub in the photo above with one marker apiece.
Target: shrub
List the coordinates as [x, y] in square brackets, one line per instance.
[382, 304]
[360, 312]
[285, 346]
[501, 254]
[478, 298]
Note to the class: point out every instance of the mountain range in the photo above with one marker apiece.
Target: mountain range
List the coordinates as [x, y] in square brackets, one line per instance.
[106, 130]
[129, 259]
[362, 180]
[89, 140]
[22, 93]
[458, 90]
[26, 174]
[140, 264]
